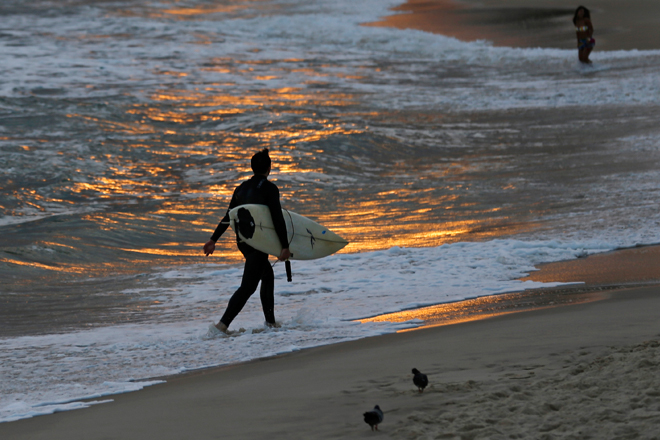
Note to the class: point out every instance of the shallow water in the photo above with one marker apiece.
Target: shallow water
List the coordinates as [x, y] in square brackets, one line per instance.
[125, 126]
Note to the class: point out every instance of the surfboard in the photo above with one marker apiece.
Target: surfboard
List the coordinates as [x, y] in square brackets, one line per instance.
[308, 240]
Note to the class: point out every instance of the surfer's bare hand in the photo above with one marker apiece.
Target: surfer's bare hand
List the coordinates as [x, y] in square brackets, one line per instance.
[284, 255]
[209, 247]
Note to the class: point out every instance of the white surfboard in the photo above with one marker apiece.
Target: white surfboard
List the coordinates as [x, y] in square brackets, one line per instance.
[307, 239]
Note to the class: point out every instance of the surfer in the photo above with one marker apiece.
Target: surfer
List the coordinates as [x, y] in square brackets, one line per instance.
[585, 31]
[257, 190]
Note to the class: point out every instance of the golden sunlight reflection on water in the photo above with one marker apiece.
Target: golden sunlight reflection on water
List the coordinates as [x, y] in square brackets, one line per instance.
[64, 268]
[269, 97]
[422, 233]
[185, 250]
[487, 307]
[186, 12]
[451, 313]
[414, 202]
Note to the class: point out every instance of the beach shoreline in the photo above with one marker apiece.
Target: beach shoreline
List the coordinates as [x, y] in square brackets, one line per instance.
[321, 392]
[585, 280]
[543, 23]
[532, 364]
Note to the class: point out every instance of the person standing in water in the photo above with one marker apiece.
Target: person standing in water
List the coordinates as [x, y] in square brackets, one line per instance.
[585, 31]
[256, 190]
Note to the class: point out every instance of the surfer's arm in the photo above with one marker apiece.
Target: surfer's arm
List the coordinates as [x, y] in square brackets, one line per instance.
[284, 255]
[273, 202]
[224, 223]
[209, 247]
[221, 228]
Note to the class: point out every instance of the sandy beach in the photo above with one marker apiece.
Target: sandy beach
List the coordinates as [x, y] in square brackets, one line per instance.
[541, 23]
[580, 371]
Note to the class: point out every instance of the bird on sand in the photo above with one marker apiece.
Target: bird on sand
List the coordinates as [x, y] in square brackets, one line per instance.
[374, 417]
[420, 380]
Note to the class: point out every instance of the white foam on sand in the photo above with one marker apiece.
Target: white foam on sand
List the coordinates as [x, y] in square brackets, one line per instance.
[318, 308]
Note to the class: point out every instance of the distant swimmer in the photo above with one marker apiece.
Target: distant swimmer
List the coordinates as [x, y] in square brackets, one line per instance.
[585, 31]
[257, 190]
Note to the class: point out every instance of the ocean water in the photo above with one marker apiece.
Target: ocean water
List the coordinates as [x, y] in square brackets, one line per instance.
[452, 167]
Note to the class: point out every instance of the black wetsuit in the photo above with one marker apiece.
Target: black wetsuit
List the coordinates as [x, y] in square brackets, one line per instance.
[258, 190]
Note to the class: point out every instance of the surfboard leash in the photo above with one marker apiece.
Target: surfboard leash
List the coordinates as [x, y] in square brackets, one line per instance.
[287, 265]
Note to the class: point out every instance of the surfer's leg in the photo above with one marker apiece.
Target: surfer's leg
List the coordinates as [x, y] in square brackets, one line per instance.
[254, 261]
[267, 292]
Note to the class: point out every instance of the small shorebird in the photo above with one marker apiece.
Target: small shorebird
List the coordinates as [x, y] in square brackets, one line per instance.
[420, 380]
[374, 417]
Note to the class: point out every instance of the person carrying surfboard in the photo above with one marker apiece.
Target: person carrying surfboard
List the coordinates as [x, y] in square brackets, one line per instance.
[257, 190]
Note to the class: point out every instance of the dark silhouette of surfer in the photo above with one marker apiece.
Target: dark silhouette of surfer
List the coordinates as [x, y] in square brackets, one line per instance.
[257, 190]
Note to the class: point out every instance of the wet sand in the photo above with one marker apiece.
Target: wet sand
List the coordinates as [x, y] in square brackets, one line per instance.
[588, 279]
[540, 23]
[637, 265]
[584, 371]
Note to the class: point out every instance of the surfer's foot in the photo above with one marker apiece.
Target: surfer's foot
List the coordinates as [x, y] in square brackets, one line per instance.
[273, 324]
[215, 331]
